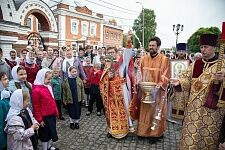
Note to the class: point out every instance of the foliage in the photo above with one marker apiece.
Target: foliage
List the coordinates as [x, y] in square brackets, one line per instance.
[193, 41]
[124, 40]
[149, 26]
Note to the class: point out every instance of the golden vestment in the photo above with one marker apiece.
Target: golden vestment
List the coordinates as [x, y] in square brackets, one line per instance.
[202, 120]
[178, 105]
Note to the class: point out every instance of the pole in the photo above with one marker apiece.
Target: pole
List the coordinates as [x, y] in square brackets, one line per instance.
[176, 41]
[177, 29]
[143, 30]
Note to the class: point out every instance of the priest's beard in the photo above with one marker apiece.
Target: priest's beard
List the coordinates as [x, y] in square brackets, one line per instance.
[181, 56]
[152, 52]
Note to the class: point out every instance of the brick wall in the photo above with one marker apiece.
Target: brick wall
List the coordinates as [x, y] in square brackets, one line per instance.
[70, 37]
[114, 37]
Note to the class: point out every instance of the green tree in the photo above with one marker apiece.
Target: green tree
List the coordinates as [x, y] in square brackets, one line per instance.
[124, 40]
[149, 26]
[193, 41]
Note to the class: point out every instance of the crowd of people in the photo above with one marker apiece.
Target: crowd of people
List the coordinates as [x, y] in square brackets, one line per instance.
[37, 85]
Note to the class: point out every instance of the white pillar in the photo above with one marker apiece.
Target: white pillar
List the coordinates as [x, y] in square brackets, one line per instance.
[62, 30]
[6, 43]
[101, 35]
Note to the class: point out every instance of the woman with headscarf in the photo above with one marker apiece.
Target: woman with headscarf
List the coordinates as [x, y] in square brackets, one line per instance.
[50, 61]
[31, 67]
[44, 108]
[19, 81]
[72, 61]
[21, 125]
[4, 107]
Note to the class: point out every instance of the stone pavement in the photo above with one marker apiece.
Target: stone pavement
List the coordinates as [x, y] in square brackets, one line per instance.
[92, 135]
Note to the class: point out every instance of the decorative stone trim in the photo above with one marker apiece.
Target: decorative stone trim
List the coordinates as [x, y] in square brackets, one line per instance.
[37, 7]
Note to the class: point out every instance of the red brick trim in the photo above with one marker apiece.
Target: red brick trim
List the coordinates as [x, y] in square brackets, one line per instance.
[42, 18]
[61, 5]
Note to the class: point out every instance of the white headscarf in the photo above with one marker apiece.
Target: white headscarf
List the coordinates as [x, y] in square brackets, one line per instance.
[40, 79]
[1, 86]
[28, 59]
[5, 94]
[69, 74]
[70, 61]
[16, 104]
[29, 48]
[14, 73]
[94, 61]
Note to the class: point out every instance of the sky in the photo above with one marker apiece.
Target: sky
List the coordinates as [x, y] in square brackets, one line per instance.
[193, 14]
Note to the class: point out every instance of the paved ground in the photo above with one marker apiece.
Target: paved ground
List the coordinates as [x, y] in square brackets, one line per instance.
[92, 135]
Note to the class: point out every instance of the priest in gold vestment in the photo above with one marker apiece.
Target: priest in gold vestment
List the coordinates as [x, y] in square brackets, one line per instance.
[205, 107]
[154, 68]
[116, 86]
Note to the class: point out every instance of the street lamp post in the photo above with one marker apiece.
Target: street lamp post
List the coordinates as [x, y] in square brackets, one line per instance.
[143, 24]
[179, 28]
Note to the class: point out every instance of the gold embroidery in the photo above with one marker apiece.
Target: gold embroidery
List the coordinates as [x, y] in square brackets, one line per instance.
[197, 86]
[201, 126]
[221, 104]
[115, 113]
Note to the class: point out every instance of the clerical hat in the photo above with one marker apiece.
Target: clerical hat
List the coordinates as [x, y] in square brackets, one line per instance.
[223, 32]
[208, 39]
[181, 46]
